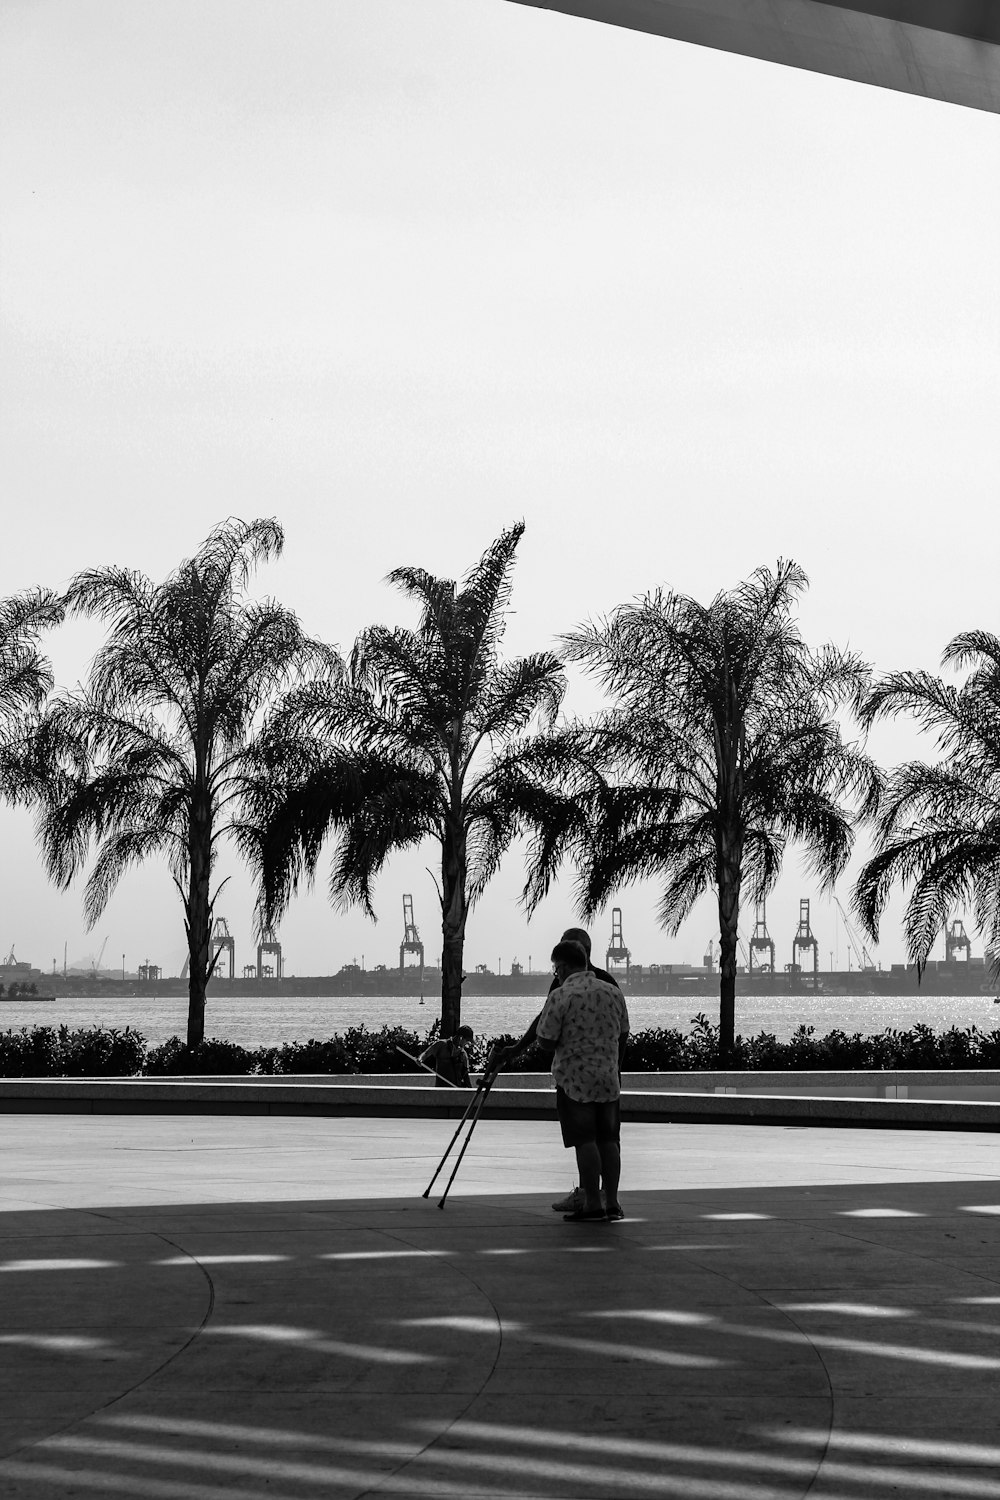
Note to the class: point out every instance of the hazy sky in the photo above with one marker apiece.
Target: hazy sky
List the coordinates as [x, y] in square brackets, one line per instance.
[401, 272]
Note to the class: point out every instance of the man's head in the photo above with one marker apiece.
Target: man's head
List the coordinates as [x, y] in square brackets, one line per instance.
[577, 935]
[568, 958]
[464, 1036]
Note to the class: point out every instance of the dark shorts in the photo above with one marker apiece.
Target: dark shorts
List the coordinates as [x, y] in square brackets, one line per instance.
[585, 1123]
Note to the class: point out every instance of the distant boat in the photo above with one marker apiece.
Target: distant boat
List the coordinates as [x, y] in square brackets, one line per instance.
[421, 999]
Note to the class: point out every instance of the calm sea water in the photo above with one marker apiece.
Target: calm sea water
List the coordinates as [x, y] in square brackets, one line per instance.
[261, 1022]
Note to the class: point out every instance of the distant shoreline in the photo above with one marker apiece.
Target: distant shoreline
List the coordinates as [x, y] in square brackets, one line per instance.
[939, 979]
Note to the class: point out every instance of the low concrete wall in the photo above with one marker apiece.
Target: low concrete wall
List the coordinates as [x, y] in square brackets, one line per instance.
[729, 1102]
[972, 1084]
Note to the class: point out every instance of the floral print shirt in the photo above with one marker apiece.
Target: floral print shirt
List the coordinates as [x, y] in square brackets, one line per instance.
[585, 1017]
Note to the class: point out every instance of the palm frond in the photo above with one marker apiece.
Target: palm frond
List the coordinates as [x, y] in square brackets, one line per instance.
[234, 549]
[539, 790]
[120, 851]
[110, 593]
[634, 839]
[404, 681]
[933, 703]
[515, 692]
[435, 595]
[686, 884]
[969, 647]
[25, 674]
[400, 809]
[484, 598]
[763, 853]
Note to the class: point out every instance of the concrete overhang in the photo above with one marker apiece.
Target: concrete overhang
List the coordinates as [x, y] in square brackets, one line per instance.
[941, 49]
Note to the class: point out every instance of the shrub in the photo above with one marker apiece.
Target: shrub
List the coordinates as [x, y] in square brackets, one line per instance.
[89, 1052]
[30, 1054]
[99, 1052]
[161, 1060]
[309, 1057]
[96, 1051]
[702, 1043]
[375, 1051]
[988, 1048]
[657, 1050]
[174, 1058]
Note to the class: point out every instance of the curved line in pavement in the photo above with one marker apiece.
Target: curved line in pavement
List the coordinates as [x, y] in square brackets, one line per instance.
[446, 1260]
[176, 1353]
[764, 1301]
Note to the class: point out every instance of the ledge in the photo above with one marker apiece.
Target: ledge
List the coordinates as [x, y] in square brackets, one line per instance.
[699, 1103]
[980, 1084]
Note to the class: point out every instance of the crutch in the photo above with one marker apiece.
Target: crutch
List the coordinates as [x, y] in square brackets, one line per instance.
[468, 1109]
[472, 1125]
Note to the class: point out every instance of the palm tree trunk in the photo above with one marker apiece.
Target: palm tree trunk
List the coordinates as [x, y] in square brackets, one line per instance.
[729, 916]
[199, 928]
[454, 908]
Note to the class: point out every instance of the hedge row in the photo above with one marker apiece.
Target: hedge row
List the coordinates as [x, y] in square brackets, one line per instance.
[96, 1051]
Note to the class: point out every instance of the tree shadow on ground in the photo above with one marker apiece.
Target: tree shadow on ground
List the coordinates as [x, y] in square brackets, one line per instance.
[738, 1344]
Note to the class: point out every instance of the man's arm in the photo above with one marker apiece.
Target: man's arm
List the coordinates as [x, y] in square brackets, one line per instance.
[623, 1030]
[503, 1056]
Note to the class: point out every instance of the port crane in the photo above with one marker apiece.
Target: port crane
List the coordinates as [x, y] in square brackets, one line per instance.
[222, 941]
[956, 941]
[411, 938]
[269, 944]
[804, 940]
[713, 953]
[617, 956]
[866, 964]
[761, 942]
[96, 966]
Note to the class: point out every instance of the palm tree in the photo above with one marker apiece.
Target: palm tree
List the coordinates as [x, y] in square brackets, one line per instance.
[25, 681]
[422, 739]
[938, 827]
[150, 757]
[721, 746]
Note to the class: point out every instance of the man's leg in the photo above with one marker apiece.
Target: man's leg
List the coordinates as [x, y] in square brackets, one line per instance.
[588, 1160]
[578, 1126]
[610, 1158]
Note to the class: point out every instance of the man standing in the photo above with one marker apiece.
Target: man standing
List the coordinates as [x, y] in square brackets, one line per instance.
[449, 1058]
[585, 1022]
[500, 1059]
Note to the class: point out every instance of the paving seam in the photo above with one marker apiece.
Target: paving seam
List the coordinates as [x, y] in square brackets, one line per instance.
[447, 1426]
[832, 1410]
[914, 1255]
[151, 1375]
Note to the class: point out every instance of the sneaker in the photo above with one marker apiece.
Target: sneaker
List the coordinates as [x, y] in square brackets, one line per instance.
[573, 1202]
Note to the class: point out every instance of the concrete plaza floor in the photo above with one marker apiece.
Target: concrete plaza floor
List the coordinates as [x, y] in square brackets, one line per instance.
[216, 1308]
